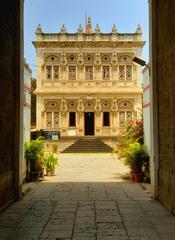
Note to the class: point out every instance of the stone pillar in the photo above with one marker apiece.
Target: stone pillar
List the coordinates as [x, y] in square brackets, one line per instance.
[97, 122]
[80, 123]
[64, 122]
[114, 121]
[40, 108]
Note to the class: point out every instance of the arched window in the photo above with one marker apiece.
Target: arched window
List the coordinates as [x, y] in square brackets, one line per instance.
[125, 68]
[72, 72]
[125, 112]
[72, 107]
[52, 114]
[88, 72]
[106, 108]
[52, 68]
[106, 72]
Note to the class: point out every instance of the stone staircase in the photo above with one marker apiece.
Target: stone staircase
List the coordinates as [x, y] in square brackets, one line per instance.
[88, 144]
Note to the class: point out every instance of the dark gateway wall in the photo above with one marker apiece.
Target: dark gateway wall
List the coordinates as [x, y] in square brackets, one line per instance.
[9, 101]
[164, 56]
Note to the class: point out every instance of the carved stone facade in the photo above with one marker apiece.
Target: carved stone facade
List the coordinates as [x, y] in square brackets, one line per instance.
[87, 83]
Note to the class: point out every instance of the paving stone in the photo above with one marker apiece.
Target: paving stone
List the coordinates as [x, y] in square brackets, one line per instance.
[84, 201]
[167, 236]
[141, 231]
[145, 238]
[85, 219]
[80, 237]
[111, 232]
[163, 220]
[112, 238]
[59, 226]
[83, 235]
[56, 234]
[165, 229]
[110, 225]
[5, 232]
[138, 223]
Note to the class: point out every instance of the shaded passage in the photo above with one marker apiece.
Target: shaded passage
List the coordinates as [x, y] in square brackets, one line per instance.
[70, 206]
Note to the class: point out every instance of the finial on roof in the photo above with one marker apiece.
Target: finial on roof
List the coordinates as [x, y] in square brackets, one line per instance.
[38, 29]
[89, 20]
[88, 26]
[63, 29]
[139, 29]
[80, 29]
[114, 29]
[97, 29]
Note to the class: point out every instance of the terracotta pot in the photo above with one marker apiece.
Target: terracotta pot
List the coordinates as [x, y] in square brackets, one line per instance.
[138, 177]
[132, 176]
[49, 172]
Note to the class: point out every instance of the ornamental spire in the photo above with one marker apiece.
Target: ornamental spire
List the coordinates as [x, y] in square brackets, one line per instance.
[80, 29]
[139, 29]
[97, 29]
[63, 29]
[38, 29]
[114, 29]
[88, 26]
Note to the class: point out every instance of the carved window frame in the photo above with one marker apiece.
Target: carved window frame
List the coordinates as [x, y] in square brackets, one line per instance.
[104, 67]
[89, 76]
[125, 67]
[53, 123]
[125, 62]
[53, 66]
[125, 108]
[72, 76]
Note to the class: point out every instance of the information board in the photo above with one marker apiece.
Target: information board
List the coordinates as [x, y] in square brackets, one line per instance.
[50, 135]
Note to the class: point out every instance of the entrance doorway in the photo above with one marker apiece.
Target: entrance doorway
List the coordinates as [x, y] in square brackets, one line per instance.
[89, 123]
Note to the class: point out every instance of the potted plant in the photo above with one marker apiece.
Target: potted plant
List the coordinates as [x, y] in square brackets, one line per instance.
[134, 157]
[55, 147]
[50, 161]
[34, 152]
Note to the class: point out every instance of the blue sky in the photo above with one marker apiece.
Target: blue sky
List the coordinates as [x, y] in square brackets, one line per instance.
[51, 14]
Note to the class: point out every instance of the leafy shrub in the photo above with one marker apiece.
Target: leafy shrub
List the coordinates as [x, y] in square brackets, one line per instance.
[134, 156]
[133, 132]
[54, 146]
[34, 153]
[50, 161]
[131, 149]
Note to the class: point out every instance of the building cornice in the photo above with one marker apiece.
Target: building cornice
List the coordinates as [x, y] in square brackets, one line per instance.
[74, 91]
[89, 44]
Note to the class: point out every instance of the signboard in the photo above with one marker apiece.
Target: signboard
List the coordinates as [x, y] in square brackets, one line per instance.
[54, 137]
[50, 135]
[72, 133]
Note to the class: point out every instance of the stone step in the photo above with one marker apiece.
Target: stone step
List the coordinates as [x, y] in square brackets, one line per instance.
[88, 144]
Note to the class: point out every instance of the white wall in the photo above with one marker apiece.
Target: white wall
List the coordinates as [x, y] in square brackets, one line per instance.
[146, 108]
[26, 112]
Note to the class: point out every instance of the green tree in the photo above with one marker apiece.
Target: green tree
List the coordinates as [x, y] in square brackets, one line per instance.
[33, 101]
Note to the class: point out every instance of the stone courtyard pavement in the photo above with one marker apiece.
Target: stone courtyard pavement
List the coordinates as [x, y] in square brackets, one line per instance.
[89, 198]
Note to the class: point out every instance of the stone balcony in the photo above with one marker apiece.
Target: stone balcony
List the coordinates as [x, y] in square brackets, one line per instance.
[89, 84]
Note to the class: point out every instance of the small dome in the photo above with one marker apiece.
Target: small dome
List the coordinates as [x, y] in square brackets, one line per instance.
[63, 29]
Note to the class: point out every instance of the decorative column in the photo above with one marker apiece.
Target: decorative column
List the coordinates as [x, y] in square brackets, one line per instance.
[97, 64]
[80, 109]
[80, 64]
[114, 62]
[97, 117]
[63, 111]
[63, 63]
[114, 113]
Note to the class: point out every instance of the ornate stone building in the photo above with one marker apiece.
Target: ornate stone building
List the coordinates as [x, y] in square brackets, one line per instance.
[87, 83]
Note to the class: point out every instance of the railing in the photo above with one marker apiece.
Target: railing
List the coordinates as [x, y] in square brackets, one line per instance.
[89, 37]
